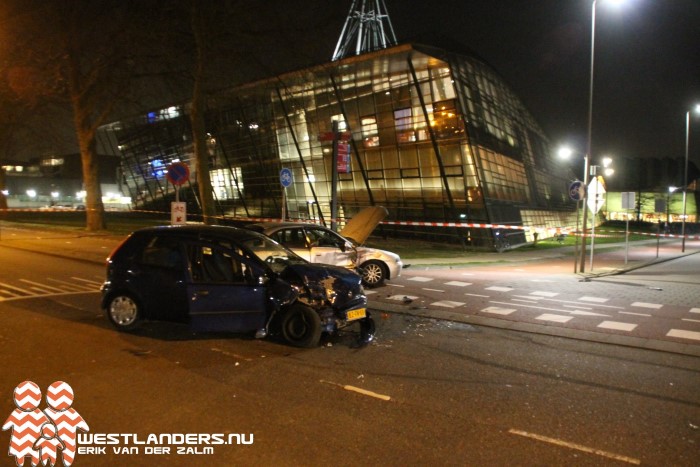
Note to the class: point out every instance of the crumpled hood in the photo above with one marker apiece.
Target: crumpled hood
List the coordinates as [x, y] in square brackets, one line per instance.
[363, 223]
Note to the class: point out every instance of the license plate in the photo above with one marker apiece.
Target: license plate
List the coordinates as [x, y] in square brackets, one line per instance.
[356, 314]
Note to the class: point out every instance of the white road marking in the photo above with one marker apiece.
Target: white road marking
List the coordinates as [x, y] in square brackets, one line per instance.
[593, 299]
[684, 334]
[447, 304]
[554, 318]
[498, 310]
[539, 307]
[395, 285]
[499, 289]
[44, 287]
[528, 297]
[634, 314]
[695, 310]
[576, 446]
[587, 313]
[578, 307]
[523, 300]
[370, 292]
[364, 392]
[691, 320]
[544, 294]
[8, 286]
[616, 325]
[60, 294]
[477, 295]
[70, 286]
[420, 279]
[97, 283]
[433, 290]
[458, 283]
[655, 306]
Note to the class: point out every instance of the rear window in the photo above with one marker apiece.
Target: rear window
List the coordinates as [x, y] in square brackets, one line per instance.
[162, 251]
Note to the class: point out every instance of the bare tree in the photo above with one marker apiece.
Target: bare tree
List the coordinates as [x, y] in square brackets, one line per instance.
[80, 55]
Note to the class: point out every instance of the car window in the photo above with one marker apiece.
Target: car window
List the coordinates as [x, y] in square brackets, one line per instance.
[162, 252]
[272, 253]
[322, 237]
[211, 264]
[291, 238]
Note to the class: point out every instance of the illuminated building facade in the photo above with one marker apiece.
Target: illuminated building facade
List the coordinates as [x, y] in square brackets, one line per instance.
[435, 137]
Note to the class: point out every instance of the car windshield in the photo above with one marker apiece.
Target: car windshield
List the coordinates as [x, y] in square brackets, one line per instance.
[275, 255]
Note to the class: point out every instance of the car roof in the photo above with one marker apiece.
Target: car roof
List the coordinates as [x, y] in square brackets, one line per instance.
[197, 230]
[277, 225]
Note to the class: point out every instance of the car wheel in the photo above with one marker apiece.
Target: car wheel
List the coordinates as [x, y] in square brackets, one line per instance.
[373, 273]
[301, 326]
[124, 312]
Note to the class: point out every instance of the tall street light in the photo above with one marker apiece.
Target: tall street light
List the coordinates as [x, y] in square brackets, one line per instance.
[588, 139]
[685, 173]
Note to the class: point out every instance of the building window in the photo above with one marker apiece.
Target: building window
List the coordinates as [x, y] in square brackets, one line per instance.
[445, 120]
[404, 125]
[370, 132]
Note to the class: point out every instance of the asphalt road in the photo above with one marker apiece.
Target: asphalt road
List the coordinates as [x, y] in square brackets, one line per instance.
[425, 392]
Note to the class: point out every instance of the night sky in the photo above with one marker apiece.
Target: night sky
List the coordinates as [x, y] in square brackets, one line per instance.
[647, 61]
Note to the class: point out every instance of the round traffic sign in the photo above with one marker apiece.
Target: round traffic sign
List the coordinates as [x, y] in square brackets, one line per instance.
[576, 191]
[178, 173]
[286, 177]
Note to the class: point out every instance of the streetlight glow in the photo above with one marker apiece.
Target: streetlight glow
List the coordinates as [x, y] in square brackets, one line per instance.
[565, 152]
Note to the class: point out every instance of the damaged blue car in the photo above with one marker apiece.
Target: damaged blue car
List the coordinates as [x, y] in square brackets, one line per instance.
[219, 278]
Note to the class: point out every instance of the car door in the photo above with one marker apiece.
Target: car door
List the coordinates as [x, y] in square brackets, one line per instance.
[327, 247]
[158, 276]
[223, 292]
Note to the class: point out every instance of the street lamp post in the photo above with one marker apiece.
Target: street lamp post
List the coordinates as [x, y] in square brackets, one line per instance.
[589, 136]
[588, 144]
[685, 173]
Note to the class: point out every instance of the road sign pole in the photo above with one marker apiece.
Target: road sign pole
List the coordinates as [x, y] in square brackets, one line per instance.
[334, 178]
[284, 203]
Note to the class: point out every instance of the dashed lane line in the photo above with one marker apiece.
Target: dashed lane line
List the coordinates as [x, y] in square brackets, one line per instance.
[576, 446]
[357, 390]
[683, 334]
[617, 326]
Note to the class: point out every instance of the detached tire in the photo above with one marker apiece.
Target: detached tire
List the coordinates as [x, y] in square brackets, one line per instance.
[301, 326]
[124, 312]
[373, 273]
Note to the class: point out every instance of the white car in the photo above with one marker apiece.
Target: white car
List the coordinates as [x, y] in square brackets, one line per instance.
[318, 244]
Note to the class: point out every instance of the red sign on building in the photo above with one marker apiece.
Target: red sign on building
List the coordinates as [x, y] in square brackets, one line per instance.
[343, 158]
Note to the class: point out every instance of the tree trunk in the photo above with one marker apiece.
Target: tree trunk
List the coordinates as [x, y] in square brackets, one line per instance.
[94, 209]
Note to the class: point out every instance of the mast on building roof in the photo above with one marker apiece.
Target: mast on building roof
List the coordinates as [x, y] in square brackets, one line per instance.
[367, 28]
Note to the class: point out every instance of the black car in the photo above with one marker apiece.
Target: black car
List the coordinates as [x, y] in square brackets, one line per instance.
[227, 279]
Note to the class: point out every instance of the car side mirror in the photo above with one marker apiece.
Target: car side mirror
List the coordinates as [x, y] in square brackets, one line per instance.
[346, 246]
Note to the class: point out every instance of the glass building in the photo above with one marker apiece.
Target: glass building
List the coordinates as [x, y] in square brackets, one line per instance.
[435, 137]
